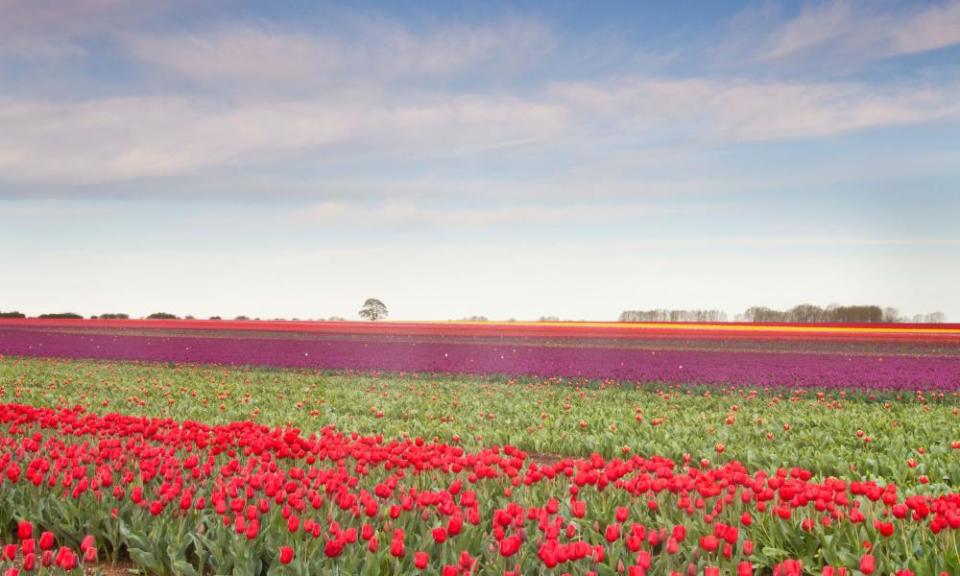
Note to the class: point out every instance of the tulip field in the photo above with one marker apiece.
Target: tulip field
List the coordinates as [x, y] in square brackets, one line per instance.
[273, 448]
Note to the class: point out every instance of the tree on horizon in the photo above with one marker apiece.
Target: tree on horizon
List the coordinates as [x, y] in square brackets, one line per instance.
[373, 309]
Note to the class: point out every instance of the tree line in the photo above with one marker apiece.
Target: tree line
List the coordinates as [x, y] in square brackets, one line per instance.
[803, 313]
[153, 316]
[809, 313]
[664, 315]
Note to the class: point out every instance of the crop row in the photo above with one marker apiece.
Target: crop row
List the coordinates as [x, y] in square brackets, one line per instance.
[189, 498]
[866, 332]
[898, 437]
[742, 368]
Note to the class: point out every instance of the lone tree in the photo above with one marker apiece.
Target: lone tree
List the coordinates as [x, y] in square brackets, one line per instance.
[373, 309]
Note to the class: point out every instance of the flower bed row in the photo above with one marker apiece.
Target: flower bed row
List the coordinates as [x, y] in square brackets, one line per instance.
[900, 437]
[712, 367]
[189, 498]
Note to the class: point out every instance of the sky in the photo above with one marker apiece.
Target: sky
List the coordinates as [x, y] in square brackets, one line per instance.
[290, 159]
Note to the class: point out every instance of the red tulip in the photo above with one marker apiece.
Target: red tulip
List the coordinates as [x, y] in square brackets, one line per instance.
[10, 551]
[679, 532]
[397, 549]
[709, 543]
[867, 564]
[334, 547]
[509, 545]
[28, 546]
[788, 568]
[24, 530]
[672, 546]
[612, 533]
[621, 513]
[885, 528]
[66, 559]
[466, 561]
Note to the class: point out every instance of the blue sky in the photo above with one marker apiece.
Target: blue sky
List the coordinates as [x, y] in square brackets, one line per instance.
[509, 159]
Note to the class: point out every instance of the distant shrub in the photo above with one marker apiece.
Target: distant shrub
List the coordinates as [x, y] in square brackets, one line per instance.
[242, 317]
[162, 316]
[216, 318]
[13, 314]
[114, 316]
[61, 316]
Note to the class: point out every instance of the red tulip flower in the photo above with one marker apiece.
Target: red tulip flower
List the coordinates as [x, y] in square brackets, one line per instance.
[709, 543]
[24, 530]
[868, 564]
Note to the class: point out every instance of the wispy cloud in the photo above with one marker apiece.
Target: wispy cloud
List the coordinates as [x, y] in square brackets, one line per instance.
[127, 138]
[369, 51]
[240, 54]
[930, 29]
[864, 31]
[736, 110]
[143, 137]
[54, 29]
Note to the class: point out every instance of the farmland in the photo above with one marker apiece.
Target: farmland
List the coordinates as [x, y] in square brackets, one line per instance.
[902, 358]
[246, 448]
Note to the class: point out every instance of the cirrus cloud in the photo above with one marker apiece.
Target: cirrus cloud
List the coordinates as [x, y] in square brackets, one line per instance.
[861, 31]
[367, 52]
[129, 138]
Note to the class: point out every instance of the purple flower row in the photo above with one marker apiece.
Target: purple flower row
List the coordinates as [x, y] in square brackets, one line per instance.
[749, 368]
